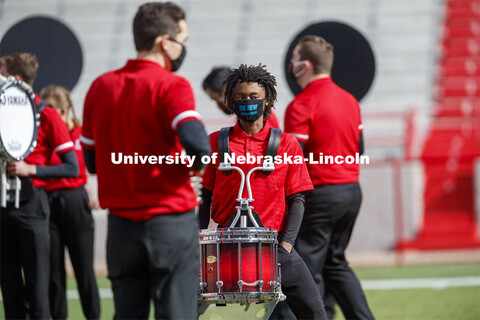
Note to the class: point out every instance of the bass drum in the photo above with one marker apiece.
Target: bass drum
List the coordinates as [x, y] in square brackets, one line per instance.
[19, 119]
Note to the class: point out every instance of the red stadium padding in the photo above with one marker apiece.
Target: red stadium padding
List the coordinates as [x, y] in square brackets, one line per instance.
[458, 87]
[469, 10]
[462, 27]
[457, 107]
[455, 103]
[463, 4]
[459, 67]
[460, 47]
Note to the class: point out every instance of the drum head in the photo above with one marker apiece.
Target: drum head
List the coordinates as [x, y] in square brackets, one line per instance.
[18, 123]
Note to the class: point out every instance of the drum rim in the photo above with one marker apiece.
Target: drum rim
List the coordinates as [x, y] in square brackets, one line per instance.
[232, 297]
[36, 116]
[237, 231]
[238, 235]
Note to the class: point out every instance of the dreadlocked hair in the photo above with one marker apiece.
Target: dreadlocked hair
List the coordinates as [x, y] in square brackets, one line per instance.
[252, 74]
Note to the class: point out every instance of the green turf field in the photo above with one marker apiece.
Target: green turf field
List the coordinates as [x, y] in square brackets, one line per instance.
[439, 303]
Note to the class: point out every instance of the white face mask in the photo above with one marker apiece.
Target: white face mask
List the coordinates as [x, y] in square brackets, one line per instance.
[294, 65]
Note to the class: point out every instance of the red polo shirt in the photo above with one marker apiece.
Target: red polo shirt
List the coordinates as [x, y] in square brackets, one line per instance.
[69, 183]
[327, 119]
[52, 137]
[269, 192]
[137, 109]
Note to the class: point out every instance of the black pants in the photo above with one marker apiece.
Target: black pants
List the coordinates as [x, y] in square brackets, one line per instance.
[303, 296]
[25, 243]
[71, 226]
[157, 260]
[330, 214]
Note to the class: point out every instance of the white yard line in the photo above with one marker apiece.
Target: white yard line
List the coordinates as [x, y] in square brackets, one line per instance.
[421, 283]
[390, 284]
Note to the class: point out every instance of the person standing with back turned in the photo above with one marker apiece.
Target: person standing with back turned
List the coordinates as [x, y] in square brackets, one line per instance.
[71, 221]
[144, 108]
[326, 119]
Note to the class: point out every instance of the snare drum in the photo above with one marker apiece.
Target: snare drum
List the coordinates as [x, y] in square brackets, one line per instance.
[239, 266]
[19, 119]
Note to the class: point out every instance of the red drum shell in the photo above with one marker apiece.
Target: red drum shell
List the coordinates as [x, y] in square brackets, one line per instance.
[246, 254]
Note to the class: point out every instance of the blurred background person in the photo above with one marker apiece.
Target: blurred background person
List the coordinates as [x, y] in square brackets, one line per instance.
[326, 120]
[71, 222]
[25, 237]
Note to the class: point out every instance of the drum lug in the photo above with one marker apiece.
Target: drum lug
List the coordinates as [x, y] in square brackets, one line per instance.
[240, 284]
[260, 285]
[202, 285]
[219, 284]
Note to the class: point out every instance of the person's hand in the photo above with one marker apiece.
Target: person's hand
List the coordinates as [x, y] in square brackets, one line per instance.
[198, 173]
[94, 204]
[287, 246]
[21, 168]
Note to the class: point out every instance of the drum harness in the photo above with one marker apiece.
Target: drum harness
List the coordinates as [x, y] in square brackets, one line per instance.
[244, 210]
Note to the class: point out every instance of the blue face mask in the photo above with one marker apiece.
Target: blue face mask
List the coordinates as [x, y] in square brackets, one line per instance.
[248, 110]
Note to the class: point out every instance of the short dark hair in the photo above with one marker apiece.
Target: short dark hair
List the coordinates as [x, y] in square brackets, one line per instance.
[214, 80]
[23, 64]
[154, 19]
[318, 51]
[256, 74]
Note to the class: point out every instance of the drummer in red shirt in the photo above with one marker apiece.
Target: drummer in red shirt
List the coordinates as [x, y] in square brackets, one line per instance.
[71, 221]
[279, 198]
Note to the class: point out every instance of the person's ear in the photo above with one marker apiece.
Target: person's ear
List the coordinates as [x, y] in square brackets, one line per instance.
[308, 65]
[267, 101]
[161, 42]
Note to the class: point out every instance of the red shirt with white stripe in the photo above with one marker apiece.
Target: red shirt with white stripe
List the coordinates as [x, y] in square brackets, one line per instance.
[268, 191]
[52, 137]
[327, 119]
[69, 183]
[137, 110]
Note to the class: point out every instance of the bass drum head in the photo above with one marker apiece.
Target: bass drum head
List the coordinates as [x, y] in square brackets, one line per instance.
[18, 121]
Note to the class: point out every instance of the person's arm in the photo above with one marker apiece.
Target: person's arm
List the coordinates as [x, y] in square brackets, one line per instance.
[204, 210]
[92, 192]
[89, 156]
[295, 209]
[68, 168]
[302, 145]
[194, 140]
[361, 144]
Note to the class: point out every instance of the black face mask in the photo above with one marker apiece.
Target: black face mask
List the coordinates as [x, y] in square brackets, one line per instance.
[248, 110]
[177, 63]
[225, 110]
